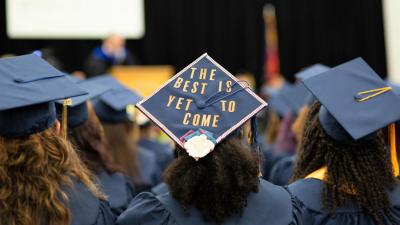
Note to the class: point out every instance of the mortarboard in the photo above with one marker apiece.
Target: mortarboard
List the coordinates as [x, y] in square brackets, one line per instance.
[340, 91]
[279, 104]
[77, 110]
[117, 104]
[29, 86]
[356, 102]
[296, 97]
[201, 105]
[311, 71]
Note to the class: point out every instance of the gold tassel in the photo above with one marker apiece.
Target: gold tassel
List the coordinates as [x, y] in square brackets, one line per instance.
[64, 122]
[373, 92]
[393, 152]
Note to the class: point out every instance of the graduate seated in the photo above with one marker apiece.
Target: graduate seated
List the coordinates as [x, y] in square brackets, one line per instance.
[344, 172]
[298, 100]
[42, 178]
[148, 140]
[86, 133]
[115, 109]
[216, 177]
[273, 118]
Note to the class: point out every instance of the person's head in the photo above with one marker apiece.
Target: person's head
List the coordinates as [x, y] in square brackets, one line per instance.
[33, 172]
[89, 139]
[217, 185]
[359, 171]
[36, 162]
[114, 43]
[120, 139]
[343, 135]
[216, 169]
[116, 112]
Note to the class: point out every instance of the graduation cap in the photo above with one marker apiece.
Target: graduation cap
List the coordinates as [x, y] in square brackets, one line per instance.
[117, 104]
[311, 71]
[201, 105]
[356, 102]
[296, 97]
[29, 87]
[279, 104]
[77, 112]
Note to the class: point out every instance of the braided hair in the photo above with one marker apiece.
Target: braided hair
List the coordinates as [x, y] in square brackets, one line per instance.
[360, 171]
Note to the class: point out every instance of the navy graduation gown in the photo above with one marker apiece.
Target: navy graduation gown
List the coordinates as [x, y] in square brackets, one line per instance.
[272, 205]
[161, 188]
[307, 195]
[269, 159]
[119, 190]
[163, 152]
[86, 209]
[148, 167]
[282, 171]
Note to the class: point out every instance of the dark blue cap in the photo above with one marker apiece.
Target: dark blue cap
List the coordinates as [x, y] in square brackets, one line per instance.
[77, 110]
[202, 98]
[356, 102]
[279, 104]
[117, 104]
[296, 97]
[29, 86]
[311, 71]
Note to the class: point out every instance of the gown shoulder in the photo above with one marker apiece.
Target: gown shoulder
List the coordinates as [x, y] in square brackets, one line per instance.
[271, 205]
[307, 195]
[119, 190]
[86, 209]
[282, 170]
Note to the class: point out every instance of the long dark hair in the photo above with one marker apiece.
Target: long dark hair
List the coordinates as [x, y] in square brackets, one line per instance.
[90, 141]
[217, 185]
[120, 140]
[359, 171]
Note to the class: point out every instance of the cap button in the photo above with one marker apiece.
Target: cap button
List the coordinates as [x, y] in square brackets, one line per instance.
[201, 104]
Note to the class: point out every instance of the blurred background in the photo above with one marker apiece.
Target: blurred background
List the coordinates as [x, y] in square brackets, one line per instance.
[260, 37]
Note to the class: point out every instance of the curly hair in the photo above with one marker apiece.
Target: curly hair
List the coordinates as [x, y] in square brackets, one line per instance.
[33, 172]
[217, 185]
[89, 139]
[359, 171]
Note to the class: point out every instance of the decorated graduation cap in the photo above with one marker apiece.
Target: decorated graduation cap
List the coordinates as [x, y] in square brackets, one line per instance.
[117, 104]
[356, 103]
[29, 88]
[311, 71]
[201, 105]
[77, 112]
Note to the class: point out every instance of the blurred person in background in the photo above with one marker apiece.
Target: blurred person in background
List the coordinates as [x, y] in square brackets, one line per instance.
[149, 133]
[115, 109]
[86, 133]
[112, 52]
[298, 99]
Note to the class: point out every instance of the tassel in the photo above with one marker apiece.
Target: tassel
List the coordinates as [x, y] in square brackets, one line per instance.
[393, 152]
[64, 122]
[254, 142]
